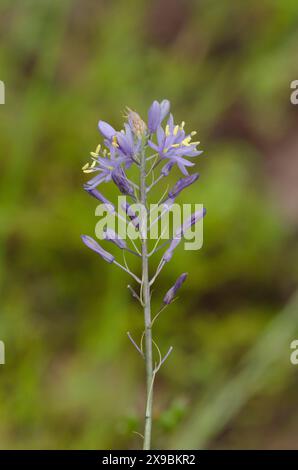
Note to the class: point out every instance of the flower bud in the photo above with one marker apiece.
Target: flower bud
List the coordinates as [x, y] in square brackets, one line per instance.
[183, 183]
[113, 237]
[95, 193]
[93, 245]
[156, 114]
[131, 214]
[165, 171]
[169, 297]
[122, 182]
[193, 219]
[169, 252]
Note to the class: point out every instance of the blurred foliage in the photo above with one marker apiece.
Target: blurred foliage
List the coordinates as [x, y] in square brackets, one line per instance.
[72, 379]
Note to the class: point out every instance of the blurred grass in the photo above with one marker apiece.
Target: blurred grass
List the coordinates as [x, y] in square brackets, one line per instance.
[72, 379]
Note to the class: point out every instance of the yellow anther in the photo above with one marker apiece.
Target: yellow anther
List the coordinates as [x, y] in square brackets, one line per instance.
[114, 142]
[89, 168]
[182, 125]
[96, 153]
[167, 130]
[176, 129]
[176, 145]
[186, 141]
[193, 133]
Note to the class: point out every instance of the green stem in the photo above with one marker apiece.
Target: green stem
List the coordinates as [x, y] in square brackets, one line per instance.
[147, 317]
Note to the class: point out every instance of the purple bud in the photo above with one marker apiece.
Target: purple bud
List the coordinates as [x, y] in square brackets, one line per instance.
[169, 252]
[106, 130]
[166, 207]
[192, 220]
[131, 214]
[164, 109]
[122, 182]
[168, 203]
[113, 237]
[95, 193]
[93, 245]
[183, 183]
[168, 298]
[167, 168]
[154, 116]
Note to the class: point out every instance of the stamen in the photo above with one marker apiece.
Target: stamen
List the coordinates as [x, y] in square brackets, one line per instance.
[114, 142]
[186, 141]
[176, 129]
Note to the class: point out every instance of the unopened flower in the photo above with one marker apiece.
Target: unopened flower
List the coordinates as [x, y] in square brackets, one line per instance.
[165, 171]
[156, 114]
[192, 220]
[131, 214]
[95, 193]
[113, 237]
[169, 297]
[183, 183]
[93, 245]
[169, 252]
[122, 182]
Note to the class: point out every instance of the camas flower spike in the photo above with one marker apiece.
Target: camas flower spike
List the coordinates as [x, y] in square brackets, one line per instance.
[143, 146]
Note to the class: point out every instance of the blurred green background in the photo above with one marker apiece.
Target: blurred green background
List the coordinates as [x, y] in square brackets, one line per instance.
[72, 379]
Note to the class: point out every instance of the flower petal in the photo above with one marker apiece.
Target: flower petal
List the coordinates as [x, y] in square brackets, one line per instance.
[106, 130]
[164, 109]
[154, 116]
